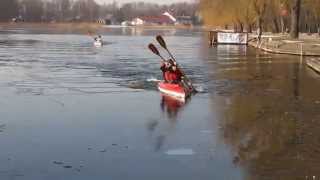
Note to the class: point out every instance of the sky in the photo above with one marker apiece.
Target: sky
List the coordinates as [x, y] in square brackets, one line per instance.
[150, 1]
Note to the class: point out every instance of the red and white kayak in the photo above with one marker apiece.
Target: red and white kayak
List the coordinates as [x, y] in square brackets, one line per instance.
[172, 89]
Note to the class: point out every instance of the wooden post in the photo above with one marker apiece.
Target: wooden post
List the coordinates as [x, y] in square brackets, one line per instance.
[210, 38]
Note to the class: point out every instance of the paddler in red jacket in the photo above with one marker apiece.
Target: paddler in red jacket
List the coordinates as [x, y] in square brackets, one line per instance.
[171, 73]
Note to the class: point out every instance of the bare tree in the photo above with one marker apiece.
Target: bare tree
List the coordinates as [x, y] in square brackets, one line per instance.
[8, 9]
[32, 10]
[295, 15]
[87, 10]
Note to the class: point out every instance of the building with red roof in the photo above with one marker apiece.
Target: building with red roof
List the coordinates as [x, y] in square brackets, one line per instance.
[164, 19]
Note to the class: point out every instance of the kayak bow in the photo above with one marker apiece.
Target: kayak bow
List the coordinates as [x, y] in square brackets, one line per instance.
[98, 44]
[173, 90]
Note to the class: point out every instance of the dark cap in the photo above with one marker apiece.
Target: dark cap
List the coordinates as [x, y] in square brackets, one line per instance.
[171, 61]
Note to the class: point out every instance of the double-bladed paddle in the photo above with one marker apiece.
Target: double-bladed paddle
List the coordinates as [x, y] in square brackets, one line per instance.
[164, 45]
[155, 51]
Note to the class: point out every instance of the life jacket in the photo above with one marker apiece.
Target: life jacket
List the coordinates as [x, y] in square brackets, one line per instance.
[172, 76]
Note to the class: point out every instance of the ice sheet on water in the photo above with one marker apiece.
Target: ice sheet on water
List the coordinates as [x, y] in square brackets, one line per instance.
[206, 131]
[200, 88]
[152, 79]
[181, 151]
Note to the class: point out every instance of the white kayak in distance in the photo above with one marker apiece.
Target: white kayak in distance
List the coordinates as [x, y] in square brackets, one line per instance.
[98, 43]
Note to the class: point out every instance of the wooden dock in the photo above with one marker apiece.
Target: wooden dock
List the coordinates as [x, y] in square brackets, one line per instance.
[228, 37]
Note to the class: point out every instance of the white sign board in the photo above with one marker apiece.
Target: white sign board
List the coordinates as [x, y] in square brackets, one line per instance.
[232, 38]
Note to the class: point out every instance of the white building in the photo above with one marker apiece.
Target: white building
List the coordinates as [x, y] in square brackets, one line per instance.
[164, 19]
[137, 21]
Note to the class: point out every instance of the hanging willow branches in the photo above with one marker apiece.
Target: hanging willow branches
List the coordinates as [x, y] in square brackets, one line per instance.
[269, 15]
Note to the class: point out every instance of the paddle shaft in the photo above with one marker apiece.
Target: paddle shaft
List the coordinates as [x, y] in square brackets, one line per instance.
[188, 81]
[164, 45]
[155, 51]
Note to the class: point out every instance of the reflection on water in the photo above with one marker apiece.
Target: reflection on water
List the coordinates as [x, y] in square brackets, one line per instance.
[170, 107]
[270, 113]
[2, 127]
[139, 31]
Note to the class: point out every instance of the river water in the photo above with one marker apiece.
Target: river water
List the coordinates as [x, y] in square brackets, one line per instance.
[72, 111]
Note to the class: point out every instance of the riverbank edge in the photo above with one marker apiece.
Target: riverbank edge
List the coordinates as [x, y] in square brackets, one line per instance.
[92, 24]
[313, 63]
[264, 46]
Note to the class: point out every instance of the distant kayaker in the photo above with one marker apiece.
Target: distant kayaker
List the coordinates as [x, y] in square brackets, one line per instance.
[98, 39]
[170, 72]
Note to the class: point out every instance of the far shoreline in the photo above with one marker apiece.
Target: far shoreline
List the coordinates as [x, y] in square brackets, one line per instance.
[91, 25]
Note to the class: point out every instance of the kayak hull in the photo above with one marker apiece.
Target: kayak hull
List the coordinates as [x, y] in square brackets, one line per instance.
[98, 44]
[174, 90]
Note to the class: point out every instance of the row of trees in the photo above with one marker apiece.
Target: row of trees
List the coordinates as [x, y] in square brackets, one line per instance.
[46, 10]
[85, 10]
[271, 15]
[131, 10]
[8, 9]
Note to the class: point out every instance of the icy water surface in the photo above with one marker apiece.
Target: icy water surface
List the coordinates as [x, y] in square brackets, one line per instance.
[71, 111]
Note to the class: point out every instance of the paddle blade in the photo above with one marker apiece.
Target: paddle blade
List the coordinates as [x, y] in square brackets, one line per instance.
[161, 41]
[153, 49]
